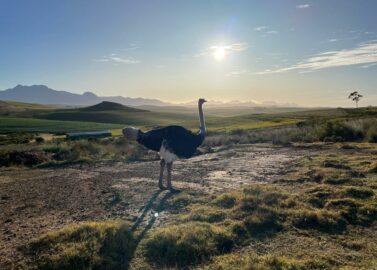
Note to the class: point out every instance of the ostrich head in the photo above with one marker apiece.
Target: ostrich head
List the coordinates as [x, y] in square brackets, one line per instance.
[130, 132]
[201, 101]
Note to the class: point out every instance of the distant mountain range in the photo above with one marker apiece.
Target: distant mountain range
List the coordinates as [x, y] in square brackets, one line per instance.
[44, 95]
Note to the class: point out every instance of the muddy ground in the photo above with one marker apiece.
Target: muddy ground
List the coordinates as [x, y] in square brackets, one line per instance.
[34, 201]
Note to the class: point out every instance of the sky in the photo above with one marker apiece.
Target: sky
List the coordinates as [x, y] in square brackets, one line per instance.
[310, 53]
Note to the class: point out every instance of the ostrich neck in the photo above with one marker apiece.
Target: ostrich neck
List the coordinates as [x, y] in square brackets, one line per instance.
[201, 119]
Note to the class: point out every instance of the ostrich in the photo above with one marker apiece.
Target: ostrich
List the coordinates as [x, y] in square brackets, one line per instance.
[172, 142]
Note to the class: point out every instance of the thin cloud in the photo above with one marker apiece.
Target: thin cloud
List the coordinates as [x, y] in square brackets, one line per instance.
[365, 53]
[237, 72]
[260, 28]
[131, 47]
[369, 65]
[113, 58]
[332, 40]
[265, 31]
[235, 47]
[302, 6]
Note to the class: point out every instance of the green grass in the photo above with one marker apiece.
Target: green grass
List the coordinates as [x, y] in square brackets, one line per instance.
[40, 118]
[10, 124]
[90, 245]
[145, 122]
[186, 244]
[251, 261]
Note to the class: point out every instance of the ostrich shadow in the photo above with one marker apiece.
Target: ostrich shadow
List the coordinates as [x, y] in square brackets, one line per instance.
[149, 205]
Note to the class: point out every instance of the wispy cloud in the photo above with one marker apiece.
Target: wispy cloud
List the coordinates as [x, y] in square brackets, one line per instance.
[369, 65]
[265, 31]
[260, 28]
[303, 6]
[235, 47]
[237, 72]
[131, 47]
[113, 58]
[332, 40]
[365, 53]
[272, 32]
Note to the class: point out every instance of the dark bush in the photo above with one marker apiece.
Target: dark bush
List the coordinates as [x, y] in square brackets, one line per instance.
[339, 131]
[372, 134]
[16, 138]
[39, 140]
[321, 220]
[23, 158]
[359, 192]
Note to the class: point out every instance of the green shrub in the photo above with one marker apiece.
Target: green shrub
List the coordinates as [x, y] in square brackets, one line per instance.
[187, 244]
[321, 220]
[205, 214]
[263, 221]
[359, 192]
[22, 158]
[373, 169]
[225, 201]
[338, 131]
[371, 133]
[16, 138]
[91, 245]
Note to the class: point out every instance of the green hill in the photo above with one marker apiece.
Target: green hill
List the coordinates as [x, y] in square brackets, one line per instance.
[110, 106]
[11, 108]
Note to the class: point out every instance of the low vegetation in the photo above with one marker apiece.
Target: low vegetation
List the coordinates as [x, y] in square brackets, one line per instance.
[318, 130]
[62, 152]
[91, 245]
[302, 206]
[186, 244]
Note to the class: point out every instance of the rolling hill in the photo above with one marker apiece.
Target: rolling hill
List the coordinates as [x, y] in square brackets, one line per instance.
[109, 106]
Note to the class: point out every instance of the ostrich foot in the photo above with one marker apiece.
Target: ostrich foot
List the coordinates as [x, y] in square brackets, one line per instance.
[161, 186]
[173, 190]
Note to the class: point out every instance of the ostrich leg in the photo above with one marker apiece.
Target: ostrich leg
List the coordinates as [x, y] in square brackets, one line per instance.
[169, 167]
[162, 166]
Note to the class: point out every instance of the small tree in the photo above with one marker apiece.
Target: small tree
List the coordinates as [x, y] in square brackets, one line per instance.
[355, 96]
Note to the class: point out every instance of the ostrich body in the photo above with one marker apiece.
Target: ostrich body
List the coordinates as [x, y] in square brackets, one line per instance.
[172, 142]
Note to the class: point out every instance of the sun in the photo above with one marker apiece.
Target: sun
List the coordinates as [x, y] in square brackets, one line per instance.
[219, 53]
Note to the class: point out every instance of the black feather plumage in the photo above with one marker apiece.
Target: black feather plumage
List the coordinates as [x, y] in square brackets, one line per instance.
[176, 139]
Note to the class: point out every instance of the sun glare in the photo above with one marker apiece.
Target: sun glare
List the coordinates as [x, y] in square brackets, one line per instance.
[219, 53]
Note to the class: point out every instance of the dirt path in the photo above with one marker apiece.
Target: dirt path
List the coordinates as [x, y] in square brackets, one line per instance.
[34, 201]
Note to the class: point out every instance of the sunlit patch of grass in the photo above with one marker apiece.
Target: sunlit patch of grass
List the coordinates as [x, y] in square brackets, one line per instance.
[90, 245]
[205, 214]
[186, 244]
[251, 261]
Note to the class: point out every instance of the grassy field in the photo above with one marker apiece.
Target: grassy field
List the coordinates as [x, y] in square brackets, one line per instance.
[40, 118]
[10, 124]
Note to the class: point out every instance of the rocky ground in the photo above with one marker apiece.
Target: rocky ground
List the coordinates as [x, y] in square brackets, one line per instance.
[34, 201]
